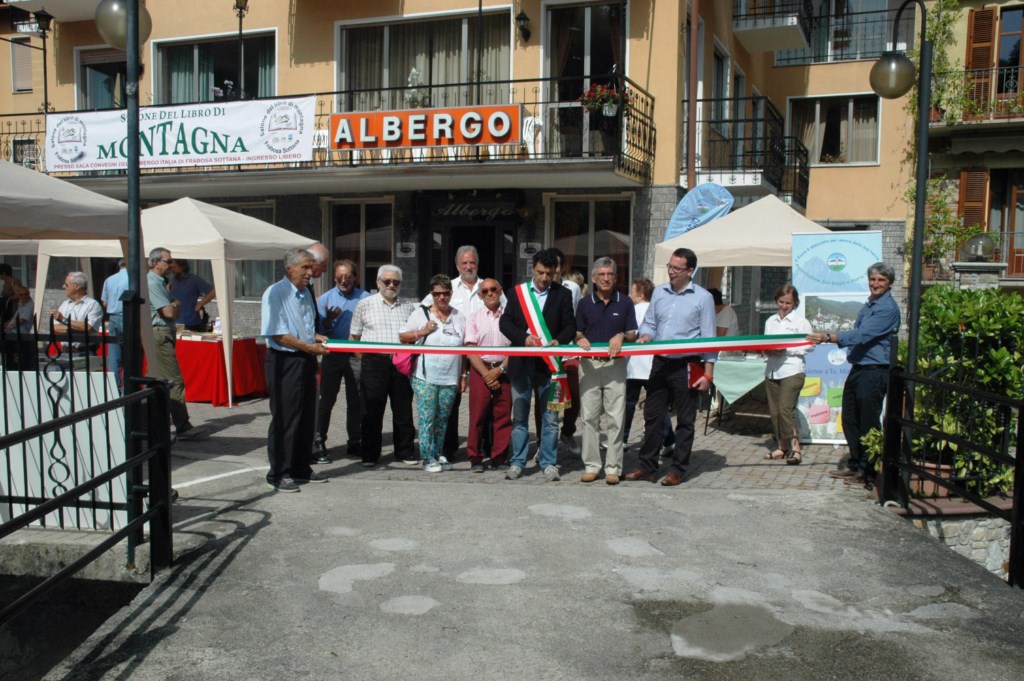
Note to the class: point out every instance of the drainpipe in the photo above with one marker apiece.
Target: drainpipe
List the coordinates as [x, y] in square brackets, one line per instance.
[691, 100]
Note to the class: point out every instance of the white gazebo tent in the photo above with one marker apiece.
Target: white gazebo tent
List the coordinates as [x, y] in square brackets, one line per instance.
[200, 231]
[760, 234]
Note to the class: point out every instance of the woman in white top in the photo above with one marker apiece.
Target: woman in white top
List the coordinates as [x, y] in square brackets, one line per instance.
[638, 368]
[437, 378]
[784, 375]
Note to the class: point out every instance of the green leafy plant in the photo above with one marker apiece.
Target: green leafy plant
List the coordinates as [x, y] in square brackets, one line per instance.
[944, 232]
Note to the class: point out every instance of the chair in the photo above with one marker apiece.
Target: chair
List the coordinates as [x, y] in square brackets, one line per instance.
[533, 136]
[321, 143]
[30, 156]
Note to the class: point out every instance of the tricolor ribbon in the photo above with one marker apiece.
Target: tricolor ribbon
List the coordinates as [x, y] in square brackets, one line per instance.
[691, 346]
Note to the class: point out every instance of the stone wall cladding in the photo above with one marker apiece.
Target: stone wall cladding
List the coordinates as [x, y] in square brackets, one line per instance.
[982, 538]
[651, 213]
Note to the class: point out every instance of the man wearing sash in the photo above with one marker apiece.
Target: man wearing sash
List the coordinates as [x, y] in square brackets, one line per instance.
[538, 314]
[679, 310]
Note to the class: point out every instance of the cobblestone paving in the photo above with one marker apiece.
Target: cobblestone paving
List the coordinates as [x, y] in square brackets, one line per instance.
[729, 456]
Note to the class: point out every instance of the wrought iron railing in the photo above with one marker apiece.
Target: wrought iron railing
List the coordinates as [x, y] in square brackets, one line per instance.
[848, 36]
[556, 126]
[796, 176]
[974, 95]
[976, 435]
[752, 13]
[745, 135]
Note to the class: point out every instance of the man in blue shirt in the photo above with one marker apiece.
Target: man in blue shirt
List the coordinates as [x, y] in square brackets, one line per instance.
[679, 310]
[193, 292]
[288, 322]
[869, 343]
[605, 316]
[113, 287]
[336, 308]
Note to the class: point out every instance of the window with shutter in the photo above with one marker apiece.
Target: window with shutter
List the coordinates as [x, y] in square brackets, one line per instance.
[973, 193]
[21, 65]
[981, 35]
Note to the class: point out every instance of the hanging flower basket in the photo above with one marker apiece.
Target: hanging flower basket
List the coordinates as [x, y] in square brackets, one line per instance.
[603, 98]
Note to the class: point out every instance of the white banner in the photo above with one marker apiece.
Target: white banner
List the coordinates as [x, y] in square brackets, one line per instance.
[214, 133]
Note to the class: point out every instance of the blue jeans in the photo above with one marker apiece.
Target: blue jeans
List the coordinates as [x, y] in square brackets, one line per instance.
[115, 327]
[525, 387]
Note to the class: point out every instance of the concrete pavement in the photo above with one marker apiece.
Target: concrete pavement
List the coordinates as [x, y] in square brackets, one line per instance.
[749, 570]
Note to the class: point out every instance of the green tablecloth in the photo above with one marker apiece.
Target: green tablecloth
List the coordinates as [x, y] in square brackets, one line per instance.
[734, 378]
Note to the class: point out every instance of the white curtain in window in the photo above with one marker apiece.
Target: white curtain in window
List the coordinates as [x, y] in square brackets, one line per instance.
[802, 126]
[180, 74]
[446, 63]
[363, 68]
[863, 147]
[206, 79]
[409, 65]
[494, 57]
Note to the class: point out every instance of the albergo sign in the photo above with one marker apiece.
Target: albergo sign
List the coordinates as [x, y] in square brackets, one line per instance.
[458, 126]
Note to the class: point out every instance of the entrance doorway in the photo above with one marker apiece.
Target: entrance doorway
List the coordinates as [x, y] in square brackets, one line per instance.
[494, 244]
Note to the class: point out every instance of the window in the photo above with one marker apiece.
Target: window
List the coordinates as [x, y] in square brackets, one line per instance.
[208, 71]
[101, 79]
[1011, 27]
[719, 92]
[845, 30]
[588, 229]
[21, 65]
[362, 232]
[837, 129]
[424, 61]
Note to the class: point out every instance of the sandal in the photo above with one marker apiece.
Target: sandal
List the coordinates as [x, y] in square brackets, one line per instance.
[775, 455]
[794, 459]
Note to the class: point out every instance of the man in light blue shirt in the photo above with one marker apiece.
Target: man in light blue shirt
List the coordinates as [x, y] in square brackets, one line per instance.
[679, 310]
[288, 322]
[336, 308]
[113, 287]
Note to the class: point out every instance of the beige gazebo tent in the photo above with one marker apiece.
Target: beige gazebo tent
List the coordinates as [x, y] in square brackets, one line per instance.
[760, 234]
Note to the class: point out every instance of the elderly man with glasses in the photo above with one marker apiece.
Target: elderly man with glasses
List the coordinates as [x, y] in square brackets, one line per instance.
[380, 318]
[679, 310]
[164, 310]
[490, 392]
[80, 311]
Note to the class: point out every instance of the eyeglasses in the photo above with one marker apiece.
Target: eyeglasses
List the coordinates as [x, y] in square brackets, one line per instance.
[441, 294]
[167, 262]
[391, 282]
[673, 268]
[493, 289]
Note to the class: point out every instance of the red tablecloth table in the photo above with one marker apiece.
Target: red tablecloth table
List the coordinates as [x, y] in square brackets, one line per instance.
[206, 377]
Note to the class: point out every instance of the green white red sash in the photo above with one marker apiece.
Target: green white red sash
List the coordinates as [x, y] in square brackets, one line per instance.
[558, 392]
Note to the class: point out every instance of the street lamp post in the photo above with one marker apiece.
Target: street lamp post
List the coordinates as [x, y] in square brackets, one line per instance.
[241, 7]
[43, 21]
[893, 76]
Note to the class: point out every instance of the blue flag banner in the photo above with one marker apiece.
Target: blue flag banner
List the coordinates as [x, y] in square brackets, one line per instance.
[701, 205]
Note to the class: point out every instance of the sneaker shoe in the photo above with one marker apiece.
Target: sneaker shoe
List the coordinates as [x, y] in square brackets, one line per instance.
[551, 474]
[411, 461]
[313, 477]
[477, 468]
[513, 472]
[446, 465]
[569, 442]
[322, 457]
[431, 466]
[283, 485]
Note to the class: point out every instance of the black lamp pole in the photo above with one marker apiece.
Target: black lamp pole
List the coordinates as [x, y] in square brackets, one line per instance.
[241, 7]
[43, 20]
[892, 76]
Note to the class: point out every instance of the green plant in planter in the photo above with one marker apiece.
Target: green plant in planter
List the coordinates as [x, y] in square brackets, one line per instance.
[943, 231]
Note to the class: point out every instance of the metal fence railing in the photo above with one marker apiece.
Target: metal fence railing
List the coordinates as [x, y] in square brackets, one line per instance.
[849, 36]
[556, 126]
[755, 13]
[975, 95]
[964, 441]
[145, 474]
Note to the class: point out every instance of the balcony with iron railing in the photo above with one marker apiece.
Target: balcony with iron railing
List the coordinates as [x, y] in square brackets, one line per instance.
[556, 128]
[768, 25]
[848, 36]
[991, 95]
[741, 145]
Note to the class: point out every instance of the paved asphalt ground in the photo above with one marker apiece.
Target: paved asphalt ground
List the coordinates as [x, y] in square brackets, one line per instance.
[749, 570]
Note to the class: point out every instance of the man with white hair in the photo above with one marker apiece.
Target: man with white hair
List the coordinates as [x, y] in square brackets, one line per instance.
[80, 312]
[380, 318]
[164, 311]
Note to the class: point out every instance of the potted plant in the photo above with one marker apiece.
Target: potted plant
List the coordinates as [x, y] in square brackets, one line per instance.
[604, 98]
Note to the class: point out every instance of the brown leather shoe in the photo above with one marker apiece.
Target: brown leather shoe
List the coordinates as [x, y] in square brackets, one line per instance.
[672, 479]
[588, 476]
[842, 474]
[858, 480]
[639, 474]
[611, 478]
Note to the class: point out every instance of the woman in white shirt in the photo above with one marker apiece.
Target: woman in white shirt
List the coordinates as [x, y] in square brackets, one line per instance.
[784, 375]
[437, 378]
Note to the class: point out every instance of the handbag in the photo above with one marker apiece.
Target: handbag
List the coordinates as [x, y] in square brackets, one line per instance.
[405, 362]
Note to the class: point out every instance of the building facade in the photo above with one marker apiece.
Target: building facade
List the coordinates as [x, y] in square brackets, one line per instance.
[780, 105]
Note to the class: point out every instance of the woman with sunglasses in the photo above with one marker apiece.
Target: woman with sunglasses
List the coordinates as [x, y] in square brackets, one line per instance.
[437, 378]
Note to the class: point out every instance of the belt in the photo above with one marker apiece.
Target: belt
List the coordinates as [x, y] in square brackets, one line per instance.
[870, 367]
[601, 360]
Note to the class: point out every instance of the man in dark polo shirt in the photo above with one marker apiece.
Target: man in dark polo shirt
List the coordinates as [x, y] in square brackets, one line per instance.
[605, 316]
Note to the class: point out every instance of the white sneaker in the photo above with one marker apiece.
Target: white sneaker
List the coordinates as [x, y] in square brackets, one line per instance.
[551, 474]
[445, 464]
[432, 466]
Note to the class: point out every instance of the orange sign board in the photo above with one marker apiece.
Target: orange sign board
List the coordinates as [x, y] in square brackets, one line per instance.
[464, 125]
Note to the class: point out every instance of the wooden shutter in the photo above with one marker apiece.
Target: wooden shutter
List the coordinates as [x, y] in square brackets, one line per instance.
[973, 198]
[981, 50]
